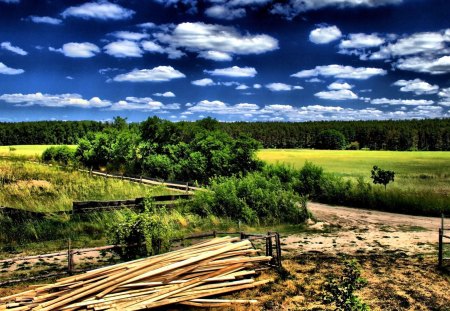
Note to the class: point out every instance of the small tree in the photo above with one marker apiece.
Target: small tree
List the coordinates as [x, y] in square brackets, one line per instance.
[380, 176]
[331, 139]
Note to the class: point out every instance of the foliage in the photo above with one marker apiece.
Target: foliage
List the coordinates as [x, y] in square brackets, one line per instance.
[254, 199]
[59, 154]
[380, 176]
[330, 139]
[148, 233]
[341, 290]
[170, 151]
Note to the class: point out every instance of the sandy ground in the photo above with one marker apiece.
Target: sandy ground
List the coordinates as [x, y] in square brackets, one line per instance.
[348, 230]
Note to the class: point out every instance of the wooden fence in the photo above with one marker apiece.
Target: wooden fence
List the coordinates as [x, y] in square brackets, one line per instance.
[270, 244]
[444, 233]
[138, 203]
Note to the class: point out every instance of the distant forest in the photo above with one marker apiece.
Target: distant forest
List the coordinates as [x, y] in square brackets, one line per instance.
[430, 134]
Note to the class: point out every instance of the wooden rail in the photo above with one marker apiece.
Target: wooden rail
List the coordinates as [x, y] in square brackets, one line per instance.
[271, 241]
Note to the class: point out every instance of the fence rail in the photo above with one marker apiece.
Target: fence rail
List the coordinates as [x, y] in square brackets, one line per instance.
[442, 236]
[271, 242]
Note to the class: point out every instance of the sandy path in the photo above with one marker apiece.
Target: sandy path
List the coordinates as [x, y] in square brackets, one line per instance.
[350, 230]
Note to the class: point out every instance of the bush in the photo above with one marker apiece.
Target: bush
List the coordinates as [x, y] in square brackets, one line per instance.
[331, 139]
[253, 199]
[59, 154]
[310, 178]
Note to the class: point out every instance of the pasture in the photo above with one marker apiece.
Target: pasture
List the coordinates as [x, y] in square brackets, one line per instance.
[28, 151]
[418, 170]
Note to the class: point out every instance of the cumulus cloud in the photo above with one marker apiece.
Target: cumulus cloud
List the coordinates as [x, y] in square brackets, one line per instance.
[403, 102]
[278, 87]
[165, 94]
[417, 86]
[128, 35]
[340, 86]
[102, 10]
[142, 104]
[324, 34]
[434, 66]
[15, 49]
[54, 100]
[424, 42]
[361, 41]
[45, 20]
[123, 48]
[221, 108]
[78, 50]
[152, 47]
[200, 37]
[5, 70]
[157, 74]
[342, 94]
[292, 8]
[225, 12]
[203, 82]
[215, 55]
[235, 71]
[342, 72]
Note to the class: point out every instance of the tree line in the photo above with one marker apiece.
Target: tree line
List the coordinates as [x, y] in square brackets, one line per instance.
[429, 134]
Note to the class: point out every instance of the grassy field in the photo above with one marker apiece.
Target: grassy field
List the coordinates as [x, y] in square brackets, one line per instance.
[29, 151]
[419, 170]
[35, 187]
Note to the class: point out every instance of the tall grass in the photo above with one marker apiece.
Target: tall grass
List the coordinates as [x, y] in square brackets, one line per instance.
[35, 187]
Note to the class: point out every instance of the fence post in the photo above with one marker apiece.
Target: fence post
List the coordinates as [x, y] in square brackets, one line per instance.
[440, 254]
[187, 187]
[214, 234]
[140, 179]
[69, 256]
[278, 249]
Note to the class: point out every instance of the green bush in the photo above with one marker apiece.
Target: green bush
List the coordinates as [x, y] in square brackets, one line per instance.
[331, 139]
[59, 154]
[253, 199]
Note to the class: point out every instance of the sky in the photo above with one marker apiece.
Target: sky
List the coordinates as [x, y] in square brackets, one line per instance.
[235, 60]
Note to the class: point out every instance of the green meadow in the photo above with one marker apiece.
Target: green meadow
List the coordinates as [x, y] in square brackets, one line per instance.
[417, 170]
[28, 151]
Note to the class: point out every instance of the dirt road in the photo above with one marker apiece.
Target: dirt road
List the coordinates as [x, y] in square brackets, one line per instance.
[349, 230]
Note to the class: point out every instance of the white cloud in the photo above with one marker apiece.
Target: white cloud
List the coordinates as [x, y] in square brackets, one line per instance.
[102, 10]
[165, 94]
[5, 70]
[342, 72]
[78, 50]
[128, 35]
[340, 86]
[15, 49]
[418, 86]
[337, 95]
[403, 102]
[324, 34]
[45, 20]
[424, 42]
[203, 82]
[54, 100]
[142, 104]
[242, 87]
[314, 80]
[235, 71]
[215, 55]
[257, 86]
[225, 12]
[361, 41]
[221, 108]
[201, 37]
[277, 87]
[429, 65]
[152, 47]
[445, 93]
[123, 48]
[292, 8]
[157, 74]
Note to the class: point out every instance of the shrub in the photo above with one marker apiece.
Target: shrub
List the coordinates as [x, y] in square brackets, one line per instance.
[59, 154]
[331, 139]
[253, 199]
[383, 177]
[310, 178]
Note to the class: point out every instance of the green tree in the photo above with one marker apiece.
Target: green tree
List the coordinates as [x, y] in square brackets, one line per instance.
[380, 176]
[331, 139]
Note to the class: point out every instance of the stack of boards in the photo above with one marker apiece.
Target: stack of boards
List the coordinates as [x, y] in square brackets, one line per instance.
[185, 277]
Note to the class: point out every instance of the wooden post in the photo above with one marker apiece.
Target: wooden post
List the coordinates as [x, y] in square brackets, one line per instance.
[69, 257]
[270, 247]
[214, 234]
[440, 254]
[278, 249]
[187, 187]
[90, 171]
[140, 179]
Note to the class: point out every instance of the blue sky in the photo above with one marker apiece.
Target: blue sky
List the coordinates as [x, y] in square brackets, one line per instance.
[251, 60]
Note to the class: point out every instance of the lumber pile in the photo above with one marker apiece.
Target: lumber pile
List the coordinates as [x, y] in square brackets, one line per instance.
[189, 276]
